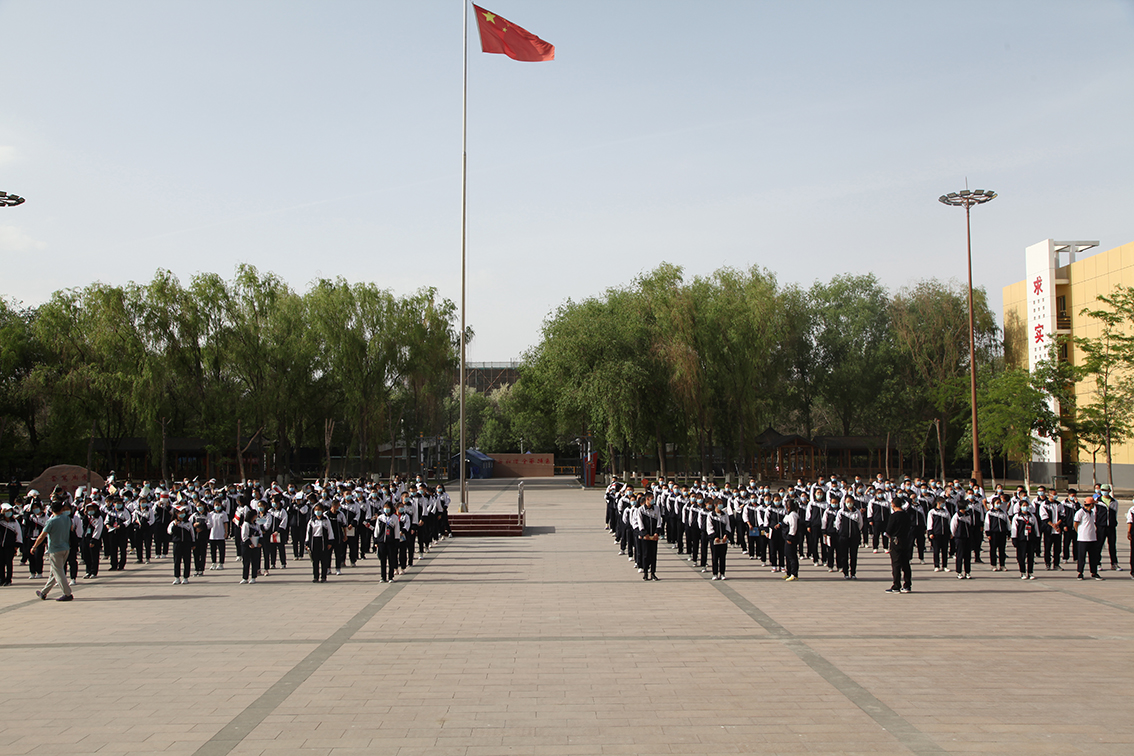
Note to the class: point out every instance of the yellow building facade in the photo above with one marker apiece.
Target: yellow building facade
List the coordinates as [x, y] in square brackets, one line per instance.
[1061, 281]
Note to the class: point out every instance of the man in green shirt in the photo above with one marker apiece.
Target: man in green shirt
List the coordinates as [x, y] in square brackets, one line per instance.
[57, 533]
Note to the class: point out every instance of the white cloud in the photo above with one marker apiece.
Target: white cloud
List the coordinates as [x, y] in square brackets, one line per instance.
[12, 239]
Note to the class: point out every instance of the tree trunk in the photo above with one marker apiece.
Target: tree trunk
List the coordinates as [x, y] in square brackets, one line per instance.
[887, 455]
[328, 433]
[239, 455]
[941, 447]
[164, 454]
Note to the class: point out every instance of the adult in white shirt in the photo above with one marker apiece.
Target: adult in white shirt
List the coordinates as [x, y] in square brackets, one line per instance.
[1087, 539]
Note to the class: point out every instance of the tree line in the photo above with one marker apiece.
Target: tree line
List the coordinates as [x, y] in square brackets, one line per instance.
[663, 372]
[248, 365]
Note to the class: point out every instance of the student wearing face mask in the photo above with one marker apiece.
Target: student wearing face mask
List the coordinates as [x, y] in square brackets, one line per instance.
[997, 526]
[319, 537]
[405, 545]
[718, 526]
[252, 536]
[218, 535]
[181, 536]
[961, 528]
[11, 539]
[33, 522]
[1025, 533]
[199, 520]
[277, 539]
[848, 525]
[387, 536]
[116, 543]
[94, 525]
[143, 532]
[938, 524]
[1087, 539]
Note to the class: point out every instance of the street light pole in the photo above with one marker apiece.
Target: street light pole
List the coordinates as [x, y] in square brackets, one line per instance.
[967, 199]
[10, 200]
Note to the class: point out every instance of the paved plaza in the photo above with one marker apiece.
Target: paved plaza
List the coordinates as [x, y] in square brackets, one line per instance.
[552, 644]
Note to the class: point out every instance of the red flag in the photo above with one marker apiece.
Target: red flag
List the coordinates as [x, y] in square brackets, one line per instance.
[499, 35]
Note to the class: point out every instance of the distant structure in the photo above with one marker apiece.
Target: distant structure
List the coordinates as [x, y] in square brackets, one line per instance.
[1047, 304]
[486, 377]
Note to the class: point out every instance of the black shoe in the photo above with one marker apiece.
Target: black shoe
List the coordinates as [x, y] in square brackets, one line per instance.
[68, 597]
[314, 580]
[322, 580]
[891, 590]
[42, 595]
[1098, 577]
[654, 577]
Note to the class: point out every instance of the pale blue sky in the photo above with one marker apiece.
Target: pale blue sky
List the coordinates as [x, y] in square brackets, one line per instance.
[322, 138]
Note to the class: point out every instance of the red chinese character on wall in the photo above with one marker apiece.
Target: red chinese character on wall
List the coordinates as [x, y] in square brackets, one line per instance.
[1039, 334]
[1038, 284]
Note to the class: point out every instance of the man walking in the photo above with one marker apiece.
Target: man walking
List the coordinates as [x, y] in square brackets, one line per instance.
[57, 533]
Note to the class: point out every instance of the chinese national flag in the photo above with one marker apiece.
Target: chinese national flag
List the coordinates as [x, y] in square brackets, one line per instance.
[499, 35]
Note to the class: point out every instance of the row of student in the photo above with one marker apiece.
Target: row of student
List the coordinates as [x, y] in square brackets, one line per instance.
[835, 520]
[334, 520]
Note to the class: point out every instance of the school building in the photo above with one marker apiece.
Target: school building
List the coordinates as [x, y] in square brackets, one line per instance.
[1061, 280]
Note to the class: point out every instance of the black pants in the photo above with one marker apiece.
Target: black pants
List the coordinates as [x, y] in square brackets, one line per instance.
[1111, 532]
[792, 559]
[813, 552]
[940, 543]
[776, 550]
[879, 532]
[143, 542]
[1051, 542]
[251, 561]
[900, 555]
[996, 548]
[352, 547]
[91, 549]
[297, 544]
[848, 555]
[964, 551]
[649, 550]
[7, 557]
[340, 548]
[1068, 541]
[119, 545]
[363, 542]
[320, 559]
[720, 552]
[1091, 550]
[1025, 555]
[73, 557]
[200, 550]
[278, 550]
[388, 558]
[693, 538]
[216, 548]
[161, 539]
[919, 539]
[181, 550]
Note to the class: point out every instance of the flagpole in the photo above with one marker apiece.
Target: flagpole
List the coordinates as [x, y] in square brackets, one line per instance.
[464, 189]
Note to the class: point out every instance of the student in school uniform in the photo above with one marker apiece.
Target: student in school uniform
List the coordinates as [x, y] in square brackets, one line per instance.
[277, 539]
[199, 520]
[252, 536]
[791, 532]
[1130, 537]
[319, 539]
[387, 536]
[339, 521]
[997, 527]
[405, 545]
[181, 536]
[117, 538]
[961, 528]
[1025, 532]
[91, 547]
[33, 521]
[718, 527]
[650, 520]
[218, 524]
[848, 525]
[11, 539]
[1087, 539]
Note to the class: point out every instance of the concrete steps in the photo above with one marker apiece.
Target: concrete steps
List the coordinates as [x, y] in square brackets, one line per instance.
[476, 525]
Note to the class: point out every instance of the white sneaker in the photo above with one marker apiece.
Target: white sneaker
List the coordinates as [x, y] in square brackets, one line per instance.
[723, 577]
[185, 581]
[338, 572]
[220, 566]
[177, 581]
[253, 580]
[243, 582]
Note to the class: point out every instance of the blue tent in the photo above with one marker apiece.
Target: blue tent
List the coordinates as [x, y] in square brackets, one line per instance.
[477, 465]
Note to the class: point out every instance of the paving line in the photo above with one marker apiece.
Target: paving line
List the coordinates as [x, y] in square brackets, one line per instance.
[889, 720]
[1085, 597]
[231, 735]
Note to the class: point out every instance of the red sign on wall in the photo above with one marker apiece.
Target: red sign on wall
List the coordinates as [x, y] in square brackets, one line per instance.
[523, 465]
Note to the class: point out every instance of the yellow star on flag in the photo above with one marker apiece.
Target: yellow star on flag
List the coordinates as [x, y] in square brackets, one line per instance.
[490, 17]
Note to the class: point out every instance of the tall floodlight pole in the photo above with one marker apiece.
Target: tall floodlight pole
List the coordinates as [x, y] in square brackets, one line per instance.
[967, 199]
[464, 188]
[10, 200]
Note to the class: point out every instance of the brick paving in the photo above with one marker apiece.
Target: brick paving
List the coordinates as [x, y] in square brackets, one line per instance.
[552, 644]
